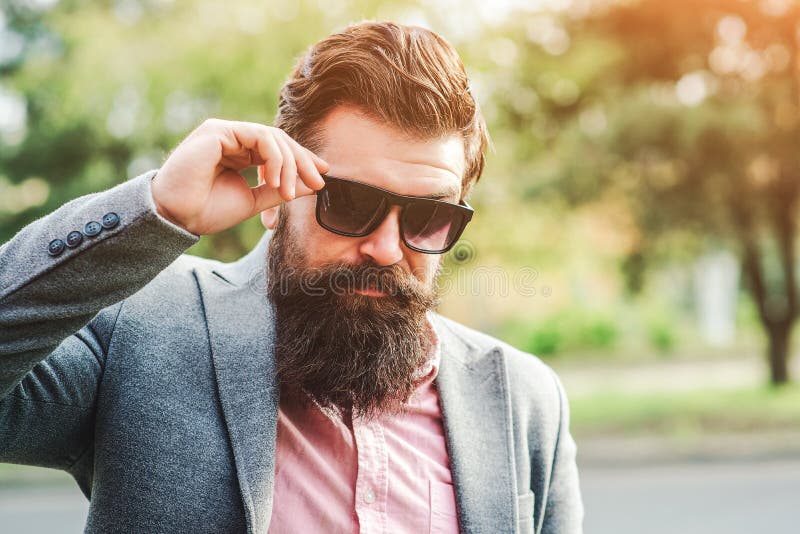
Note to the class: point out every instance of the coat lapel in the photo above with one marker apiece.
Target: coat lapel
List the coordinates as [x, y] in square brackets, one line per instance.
[473, 390]
[241, 333]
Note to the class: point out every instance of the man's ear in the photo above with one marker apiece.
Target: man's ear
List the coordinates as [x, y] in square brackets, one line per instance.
[269, 217]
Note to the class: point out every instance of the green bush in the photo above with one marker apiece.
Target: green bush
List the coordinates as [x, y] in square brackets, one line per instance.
[546, 340]
[661, 336]
[569, 330]
[597, 332]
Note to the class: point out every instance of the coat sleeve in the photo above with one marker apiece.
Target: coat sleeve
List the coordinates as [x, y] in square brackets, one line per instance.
[58, 309]
[563, 513]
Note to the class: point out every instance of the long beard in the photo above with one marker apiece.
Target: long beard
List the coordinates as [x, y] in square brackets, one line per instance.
[340, 348]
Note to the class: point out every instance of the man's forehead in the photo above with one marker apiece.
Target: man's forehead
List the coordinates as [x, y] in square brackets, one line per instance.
[363, 149]
[419, 181]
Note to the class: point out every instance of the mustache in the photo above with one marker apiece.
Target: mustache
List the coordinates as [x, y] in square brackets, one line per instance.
[340, 279]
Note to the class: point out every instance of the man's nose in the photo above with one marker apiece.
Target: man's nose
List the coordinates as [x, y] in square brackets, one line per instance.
[384, 245]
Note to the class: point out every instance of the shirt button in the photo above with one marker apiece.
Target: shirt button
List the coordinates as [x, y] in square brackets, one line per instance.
[55, 247]
[92, 228]
[369, 496]
[74, 239]
[110, 220]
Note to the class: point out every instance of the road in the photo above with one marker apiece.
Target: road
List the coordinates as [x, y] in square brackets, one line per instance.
[707, 498]
[703, 498]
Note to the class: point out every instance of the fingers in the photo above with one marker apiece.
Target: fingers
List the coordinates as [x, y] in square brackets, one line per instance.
[307, 169]
[273, 162]
[288, 171]
[321, 164]
[281, 159]
[265, 196]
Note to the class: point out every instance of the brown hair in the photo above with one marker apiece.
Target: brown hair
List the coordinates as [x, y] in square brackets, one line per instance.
[407, 76]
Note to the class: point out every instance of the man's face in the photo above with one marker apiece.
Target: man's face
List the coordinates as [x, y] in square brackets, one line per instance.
[361, 149]
[362, 347]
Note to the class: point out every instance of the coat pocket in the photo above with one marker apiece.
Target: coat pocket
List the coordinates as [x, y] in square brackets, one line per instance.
[525, 513]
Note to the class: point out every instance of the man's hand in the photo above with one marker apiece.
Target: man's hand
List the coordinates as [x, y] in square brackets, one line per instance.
[200, 187]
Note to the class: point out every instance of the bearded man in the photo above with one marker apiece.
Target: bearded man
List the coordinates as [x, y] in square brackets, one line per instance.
[309, 386]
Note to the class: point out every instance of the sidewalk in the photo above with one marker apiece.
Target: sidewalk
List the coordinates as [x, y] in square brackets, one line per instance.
[584, 378]
[632, 452]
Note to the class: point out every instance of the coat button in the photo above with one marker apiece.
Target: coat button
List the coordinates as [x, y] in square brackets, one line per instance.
[92, 228]
[110, 220]
[74, 239]
[55, 247]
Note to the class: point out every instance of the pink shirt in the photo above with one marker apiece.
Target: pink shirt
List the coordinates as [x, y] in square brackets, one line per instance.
[389, 475]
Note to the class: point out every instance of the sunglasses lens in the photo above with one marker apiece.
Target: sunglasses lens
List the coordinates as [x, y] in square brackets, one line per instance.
[432, 226]
[344, 206]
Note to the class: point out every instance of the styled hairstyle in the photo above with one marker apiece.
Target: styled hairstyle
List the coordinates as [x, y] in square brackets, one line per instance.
[406, 76]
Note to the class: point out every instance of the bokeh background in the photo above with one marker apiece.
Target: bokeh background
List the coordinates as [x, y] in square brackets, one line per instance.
[635, 226]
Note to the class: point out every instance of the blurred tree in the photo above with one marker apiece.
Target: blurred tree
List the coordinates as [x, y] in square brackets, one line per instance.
[685, 115]
[103, 90]
[680, 119]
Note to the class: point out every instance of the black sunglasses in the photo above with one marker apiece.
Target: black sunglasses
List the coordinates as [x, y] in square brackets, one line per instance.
[355, 209]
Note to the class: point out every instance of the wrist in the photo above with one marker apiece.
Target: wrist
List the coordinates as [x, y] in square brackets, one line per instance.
[163, 212]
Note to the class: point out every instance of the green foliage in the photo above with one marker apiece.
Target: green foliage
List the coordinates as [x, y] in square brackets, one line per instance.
[662, 337]
[692, 132]
[598, 332]
[546, 339]
[117, 87]
[568, 331]
[593, 116]
[661, 330]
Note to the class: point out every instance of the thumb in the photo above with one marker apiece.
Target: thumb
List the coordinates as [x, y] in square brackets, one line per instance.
[302, 190]
[265, 197]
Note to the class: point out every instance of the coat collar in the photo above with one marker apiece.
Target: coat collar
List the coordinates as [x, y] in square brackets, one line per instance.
[250, 269]
[241, 335]
[472, 381]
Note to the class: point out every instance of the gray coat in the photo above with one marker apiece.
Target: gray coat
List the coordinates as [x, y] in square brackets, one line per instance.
[147, 374]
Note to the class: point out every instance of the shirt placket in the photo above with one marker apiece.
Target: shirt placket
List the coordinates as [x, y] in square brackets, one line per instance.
[372, 481]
